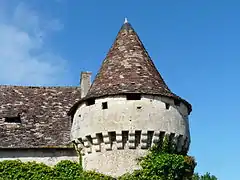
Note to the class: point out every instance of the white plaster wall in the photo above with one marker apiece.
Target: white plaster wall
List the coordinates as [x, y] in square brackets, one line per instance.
[146, 115]
[123, 114]
[47, 156]
[115, 162]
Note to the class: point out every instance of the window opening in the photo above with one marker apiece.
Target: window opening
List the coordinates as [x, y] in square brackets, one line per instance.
[13, 119]
[104, 105]
[90, 102]
[167, 105]
[133, 96]
[124, 137]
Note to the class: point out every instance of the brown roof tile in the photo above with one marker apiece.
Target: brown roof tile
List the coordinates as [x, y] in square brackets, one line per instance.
[43, 113]
[128, 68]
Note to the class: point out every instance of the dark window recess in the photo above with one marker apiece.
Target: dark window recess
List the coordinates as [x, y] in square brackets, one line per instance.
[177, 102]
[124, 138]
[137, 138]
[104, 105]
[112, 136]
[90, 102]
[167, 105]
[133, 96]
[14, 119]
[99, 137]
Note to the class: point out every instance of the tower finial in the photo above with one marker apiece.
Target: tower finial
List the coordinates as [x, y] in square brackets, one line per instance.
[125, 21]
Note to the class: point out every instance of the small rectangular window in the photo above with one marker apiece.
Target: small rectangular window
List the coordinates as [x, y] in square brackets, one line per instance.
[90, 102]
[133, 96]
[14, 119]
[167, 105]
[104, 105]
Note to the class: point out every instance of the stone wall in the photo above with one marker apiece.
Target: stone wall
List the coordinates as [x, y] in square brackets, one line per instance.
[47, 156]
[113, 132]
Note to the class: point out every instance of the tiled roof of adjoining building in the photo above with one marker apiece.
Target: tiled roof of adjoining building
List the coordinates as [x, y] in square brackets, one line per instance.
[43, 115]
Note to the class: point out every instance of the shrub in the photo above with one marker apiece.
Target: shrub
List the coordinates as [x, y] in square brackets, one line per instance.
[64, 170]
[162, 162]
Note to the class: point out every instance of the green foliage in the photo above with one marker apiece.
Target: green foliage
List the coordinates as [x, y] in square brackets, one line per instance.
[67, 169]
[90, 175]
[64, 170]
[206, 176]
[162, 162]
[163, 166]
[20, 171]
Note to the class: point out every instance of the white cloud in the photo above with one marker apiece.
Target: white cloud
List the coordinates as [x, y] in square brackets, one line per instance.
[23, 58]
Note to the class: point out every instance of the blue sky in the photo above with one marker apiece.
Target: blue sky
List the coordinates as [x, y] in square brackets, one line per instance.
[194, 44]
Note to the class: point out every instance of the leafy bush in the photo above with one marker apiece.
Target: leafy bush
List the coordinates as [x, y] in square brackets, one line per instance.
[206, 176]
[30, 170]
[159, 165]
[64, 170]
[67, 170]
[163, 163]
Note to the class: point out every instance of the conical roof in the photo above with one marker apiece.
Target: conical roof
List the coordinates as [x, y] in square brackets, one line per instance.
[128, 68]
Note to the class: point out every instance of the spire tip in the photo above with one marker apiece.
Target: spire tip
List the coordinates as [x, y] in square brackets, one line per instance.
[125, 21]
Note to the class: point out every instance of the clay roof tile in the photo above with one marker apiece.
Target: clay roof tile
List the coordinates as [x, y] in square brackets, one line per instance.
[128, 68]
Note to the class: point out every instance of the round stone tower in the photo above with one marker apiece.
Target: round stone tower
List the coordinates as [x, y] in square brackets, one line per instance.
[127, 109]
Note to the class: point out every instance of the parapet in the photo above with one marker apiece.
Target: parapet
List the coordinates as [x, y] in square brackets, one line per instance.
[107, 141]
